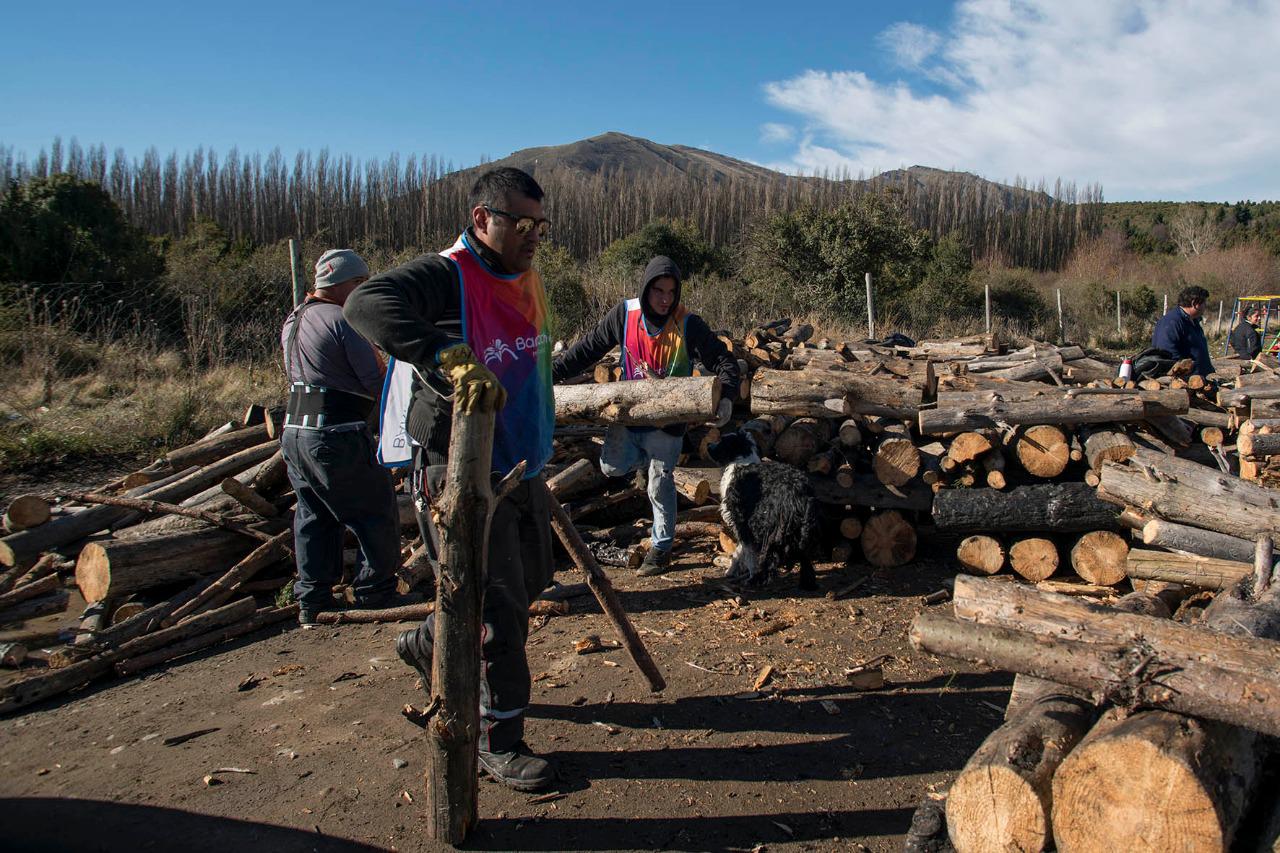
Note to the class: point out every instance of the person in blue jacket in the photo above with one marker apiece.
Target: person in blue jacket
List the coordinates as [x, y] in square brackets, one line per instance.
[1179, 333]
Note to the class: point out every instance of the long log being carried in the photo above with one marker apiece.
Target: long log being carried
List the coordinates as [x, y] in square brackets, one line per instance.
[808, 392]
[640, 403]
[1066, 408]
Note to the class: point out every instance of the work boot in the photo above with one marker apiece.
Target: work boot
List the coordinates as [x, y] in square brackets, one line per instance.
[519, 768]
[656, 562]
[415, 648]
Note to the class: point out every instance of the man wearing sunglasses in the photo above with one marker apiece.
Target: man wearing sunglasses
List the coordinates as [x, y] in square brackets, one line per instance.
[473, 323]
[658, 338]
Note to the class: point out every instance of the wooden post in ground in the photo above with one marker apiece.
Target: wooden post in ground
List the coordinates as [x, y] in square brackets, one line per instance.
[465, 509]
[871, 311]
[295, 269]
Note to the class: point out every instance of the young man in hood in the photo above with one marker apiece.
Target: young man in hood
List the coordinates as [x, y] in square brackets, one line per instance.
[659, 338]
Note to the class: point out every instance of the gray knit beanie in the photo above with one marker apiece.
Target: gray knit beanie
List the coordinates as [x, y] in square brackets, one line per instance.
[338, 265]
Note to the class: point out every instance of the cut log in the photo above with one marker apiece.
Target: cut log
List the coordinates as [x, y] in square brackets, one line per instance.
[888, 539]
[824, 463]
[1195, 541]
[806, 392]
[225, 587]
[32, 608]
[692, 483]
[1043, 451]
[1258, 445]
[639, 403]
[761, 432]
[799, 441]
[1106, 445]
[1033, 558]
[210, 450]
[53, 682]
[850, 434]
[968, 446]
[256, 622]
[26, 511]
[1002, 799]
[1048, 507]
[1201, 773]
[119, 567]
[980, 555]
[851, 527]
[1186, 569]
[1065, 409]
[248, 498]
[41, 586]
[1099, 557]
[896, 461]
[580, 477]
[993, 464]
[1192, 494]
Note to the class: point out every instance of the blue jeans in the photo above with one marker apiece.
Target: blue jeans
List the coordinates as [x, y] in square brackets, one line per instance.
[626, 449]
[340, 485]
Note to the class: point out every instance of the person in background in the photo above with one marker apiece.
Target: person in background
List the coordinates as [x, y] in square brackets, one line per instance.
[1245, 339]
[659, 338]
[498, 360]
[1179, 333]
[335, 377]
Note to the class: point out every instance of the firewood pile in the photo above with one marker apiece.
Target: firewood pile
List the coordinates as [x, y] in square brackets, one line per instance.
[185, 554]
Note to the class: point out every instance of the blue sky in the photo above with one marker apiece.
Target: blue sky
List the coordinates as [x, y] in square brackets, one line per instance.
[1152, 99]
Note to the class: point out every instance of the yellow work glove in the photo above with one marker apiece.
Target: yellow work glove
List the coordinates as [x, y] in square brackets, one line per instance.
[475, 388]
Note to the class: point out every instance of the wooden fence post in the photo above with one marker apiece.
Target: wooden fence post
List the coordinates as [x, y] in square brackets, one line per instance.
[295, 268]
[987, 292]
[871, 312]
[1062, 328]
[1118, 312]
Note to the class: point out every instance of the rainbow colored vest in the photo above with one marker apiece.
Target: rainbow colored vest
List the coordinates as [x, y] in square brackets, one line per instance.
[506, 323]
[660, 356]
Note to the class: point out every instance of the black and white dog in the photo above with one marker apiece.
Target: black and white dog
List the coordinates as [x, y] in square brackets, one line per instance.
[769, 509]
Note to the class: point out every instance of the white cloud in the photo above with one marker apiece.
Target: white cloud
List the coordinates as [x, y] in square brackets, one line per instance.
[772, 133]
[911, 44]
[1150, 98]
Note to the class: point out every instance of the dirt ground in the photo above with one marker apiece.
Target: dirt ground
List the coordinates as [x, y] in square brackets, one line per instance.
[805, 761]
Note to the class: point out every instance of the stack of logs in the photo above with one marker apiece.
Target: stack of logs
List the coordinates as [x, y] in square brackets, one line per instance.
[176, 557]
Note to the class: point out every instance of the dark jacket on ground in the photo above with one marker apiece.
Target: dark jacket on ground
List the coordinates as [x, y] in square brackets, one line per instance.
[702, 343]
[1181, 337]
[1245, 340]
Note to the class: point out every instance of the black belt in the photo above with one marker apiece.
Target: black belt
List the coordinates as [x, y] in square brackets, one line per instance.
[317, 407]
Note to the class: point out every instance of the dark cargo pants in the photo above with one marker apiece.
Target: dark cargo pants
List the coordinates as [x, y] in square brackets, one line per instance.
[520, 568]
[340, 484]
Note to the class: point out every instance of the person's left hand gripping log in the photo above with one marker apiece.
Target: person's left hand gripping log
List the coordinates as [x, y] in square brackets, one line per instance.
[475, 388]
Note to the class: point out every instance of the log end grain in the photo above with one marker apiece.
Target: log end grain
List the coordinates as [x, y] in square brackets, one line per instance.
[888, 539]
[980, 555]
[1130, 793]
[26, 511]
[1034, 558]
[896, 462]
[992, 807]
[1100, 557]
[1043, 451]
[93, 572]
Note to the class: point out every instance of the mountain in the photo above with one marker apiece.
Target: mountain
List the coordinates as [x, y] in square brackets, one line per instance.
[617, 154]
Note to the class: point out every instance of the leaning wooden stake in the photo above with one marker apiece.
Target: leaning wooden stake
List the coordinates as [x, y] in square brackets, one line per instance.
[465, 509]
[603, 590]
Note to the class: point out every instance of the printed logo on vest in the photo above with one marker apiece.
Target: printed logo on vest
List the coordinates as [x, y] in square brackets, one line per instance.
[496, 350]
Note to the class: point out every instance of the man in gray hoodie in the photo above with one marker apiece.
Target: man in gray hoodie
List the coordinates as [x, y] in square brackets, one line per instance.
[658, 338]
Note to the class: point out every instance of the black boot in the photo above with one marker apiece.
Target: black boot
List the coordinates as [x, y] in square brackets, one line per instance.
[517, 768]
[415, 648]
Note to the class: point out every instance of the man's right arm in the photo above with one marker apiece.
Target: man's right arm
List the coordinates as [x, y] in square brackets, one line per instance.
[592, 346]
[398, 310]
